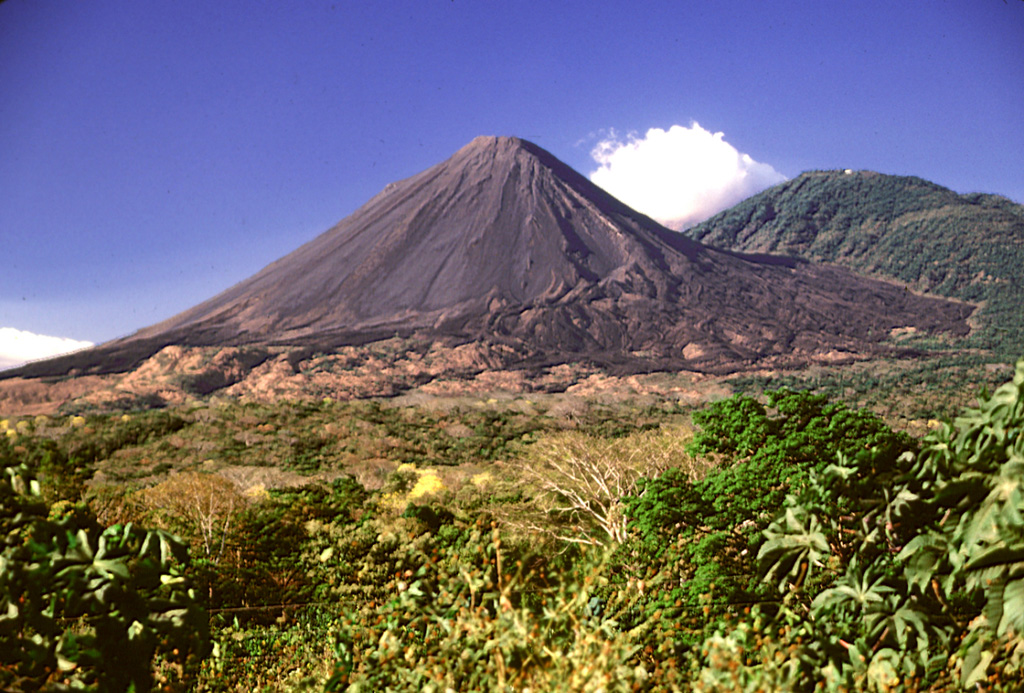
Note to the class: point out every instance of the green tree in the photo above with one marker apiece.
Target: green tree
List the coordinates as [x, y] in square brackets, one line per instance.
[770, 450]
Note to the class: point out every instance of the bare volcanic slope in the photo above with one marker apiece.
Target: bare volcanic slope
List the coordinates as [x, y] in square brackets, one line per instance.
[506, 245]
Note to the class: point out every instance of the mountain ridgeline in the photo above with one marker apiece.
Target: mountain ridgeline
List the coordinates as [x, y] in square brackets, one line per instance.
[968, 247]
[506, 246]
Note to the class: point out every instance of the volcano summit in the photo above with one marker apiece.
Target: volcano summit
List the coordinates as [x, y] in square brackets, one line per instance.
[505, 245]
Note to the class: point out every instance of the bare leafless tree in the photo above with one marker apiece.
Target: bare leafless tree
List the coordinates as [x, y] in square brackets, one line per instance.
[582, 481]
[203, 504]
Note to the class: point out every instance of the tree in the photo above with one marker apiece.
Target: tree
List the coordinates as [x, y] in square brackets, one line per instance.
[584, 480]
[201, 505]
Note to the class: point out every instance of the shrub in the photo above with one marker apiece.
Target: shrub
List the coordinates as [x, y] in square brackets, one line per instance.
[200, 506]
[87, 606]
[473, 628]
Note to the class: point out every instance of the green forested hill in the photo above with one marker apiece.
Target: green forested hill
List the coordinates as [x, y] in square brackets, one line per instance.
[969, 247]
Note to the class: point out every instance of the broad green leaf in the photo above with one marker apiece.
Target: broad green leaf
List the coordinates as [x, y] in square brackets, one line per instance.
[78, 547]
[1012, 620]
[993, 609]
[115, 567]
[1000, 556]
[798, 540]
[883, 671]
[975, 668]
[923, 556]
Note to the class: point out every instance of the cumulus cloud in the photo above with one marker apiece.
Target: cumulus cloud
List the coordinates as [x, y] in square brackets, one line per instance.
[18, 346]
[680, 176]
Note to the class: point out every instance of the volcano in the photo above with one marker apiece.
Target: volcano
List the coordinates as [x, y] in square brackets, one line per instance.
[504, 244]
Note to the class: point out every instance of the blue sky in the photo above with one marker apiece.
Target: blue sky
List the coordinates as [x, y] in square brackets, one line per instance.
[154, 153]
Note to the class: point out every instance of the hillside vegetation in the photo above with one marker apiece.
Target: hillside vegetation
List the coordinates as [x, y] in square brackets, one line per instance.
[969, 247]
[777, 542]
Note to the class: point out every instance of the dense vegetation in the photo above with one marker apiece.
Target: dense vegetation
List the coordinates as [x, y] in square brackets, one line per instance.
[969, 247]
[778, 542]
[906, 394]
[87, 606]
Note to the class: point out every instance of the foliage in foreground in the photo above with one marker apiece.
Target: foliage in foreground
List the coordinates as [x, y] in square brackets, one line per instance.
[455, 627]
[922, 563]
[87, 607]
[823, 551]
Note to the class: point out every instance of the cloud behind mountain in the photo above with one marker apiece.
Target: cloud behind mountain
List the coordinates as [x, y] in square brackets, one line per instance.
[680, 176]
[18, 346]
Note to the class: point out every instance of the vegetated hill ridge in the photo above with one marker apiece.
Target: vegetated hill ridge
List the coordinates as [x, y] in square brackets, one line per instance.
[969, 247]
[505, 245]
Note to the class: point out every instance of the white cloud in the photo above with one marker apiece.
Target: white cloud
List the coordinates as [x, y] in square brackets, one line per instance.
[680, 176]
[18, 346]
